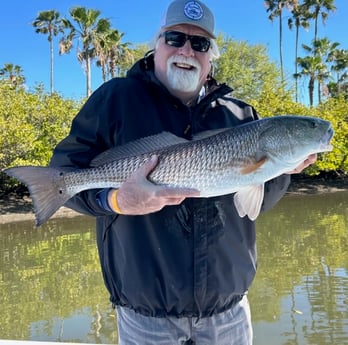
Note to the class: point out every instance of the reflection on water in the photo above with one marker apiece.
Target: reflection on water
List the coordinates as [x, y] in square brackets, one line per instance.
[51, 286]
[300, 294]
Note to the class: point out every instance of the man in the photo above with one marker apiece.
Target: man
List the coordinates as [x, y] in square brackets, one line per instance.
[178, 267]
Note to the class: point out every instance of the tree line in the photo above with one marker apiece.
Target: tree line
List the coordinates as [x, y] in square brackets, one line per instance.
[326, 63]
[33, 122]
[325, 68]
[95, 37]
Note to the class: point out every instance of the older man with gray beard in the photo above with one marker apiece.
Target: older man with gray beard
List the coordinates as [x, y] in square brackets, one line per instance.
[177, 268]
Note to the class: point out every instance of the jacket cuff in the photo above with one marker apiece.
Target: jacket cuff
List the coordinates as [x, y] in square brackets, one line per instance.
[102, 199]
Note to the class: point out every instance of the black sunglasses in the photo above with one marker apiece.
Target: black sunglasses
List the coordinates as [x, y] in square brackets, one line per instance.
[178, 39]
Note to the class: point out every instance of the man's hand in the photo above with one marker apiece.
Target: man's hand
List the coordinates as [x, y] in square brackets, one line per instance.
[310, 160]
[138, 196]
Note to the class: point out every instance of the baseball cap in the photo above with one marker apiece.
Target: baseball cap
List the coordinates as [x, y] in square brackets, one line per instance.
[190, 12]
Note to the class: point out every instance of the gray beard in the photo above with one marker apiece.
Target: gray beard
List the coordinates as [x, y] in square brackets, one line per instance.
[181, 79]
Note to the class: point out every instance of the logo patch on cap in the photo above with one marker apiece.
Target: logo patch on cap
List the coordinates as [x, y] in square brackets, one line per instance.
[193, 10]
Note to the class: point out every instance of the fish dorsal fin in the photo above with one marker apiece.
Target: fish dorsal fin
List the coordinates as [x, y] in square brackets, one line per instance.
[138, 147]
[209, 133]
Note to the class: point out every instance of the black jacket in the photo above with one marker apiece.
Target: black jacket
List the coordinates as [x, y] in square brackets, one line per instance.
[195, 259]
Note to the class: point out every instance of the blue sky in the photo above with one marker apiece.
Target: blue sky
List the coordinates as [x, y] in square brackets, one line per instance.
[245, 20]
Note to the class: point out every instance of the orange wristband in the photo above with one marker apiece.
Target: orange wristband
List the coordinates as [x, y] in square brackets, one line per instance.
[112, 199]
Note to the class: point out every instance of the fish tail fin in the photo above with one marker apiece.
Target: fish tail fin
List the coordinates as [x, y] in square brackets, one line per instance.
[46, 187]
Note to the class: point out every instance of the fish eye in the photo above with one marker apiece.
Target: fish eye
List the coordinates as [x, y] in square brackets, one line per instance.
[314, 124]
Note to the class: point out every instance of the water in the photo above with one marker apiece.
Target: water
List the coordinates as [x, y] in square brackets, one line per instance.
[51, 288]
[300, 295]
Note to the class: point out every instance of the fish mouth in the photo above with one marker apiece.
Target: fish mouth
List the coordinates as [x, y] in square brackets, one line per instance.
[325, 144]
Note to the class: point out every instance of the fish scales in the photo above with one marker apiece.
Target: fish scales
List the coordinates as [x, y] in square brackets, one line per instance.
[184, 165]
[208, 163]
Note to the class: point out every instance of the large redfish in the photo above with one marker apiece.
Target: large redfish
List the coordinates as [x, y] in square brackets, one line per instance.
[238, 159]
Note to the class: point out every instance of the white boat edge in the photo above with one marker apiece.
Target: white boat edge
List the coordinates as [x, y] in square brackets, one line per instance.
[30, 342]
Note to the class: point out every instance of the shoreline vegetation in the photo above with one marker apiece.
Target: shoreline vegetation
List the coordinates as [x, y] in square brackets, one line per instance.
[17, 205]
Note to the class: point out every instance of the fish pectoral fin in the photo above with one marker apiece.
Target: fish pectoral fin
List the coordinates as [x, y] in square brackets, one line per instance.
[248, 201]
[248, 169]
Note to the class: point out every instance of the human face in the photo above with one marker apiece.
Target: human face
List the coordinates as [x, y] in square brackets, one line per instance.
[182, 70]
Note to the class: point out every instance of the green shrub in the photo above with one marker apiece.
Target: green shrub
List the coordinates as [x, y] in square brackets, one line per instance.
[31, 124]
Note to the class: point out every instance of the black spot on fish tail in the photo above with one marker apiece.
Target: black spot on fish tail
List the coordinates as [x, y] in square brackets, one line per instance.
[46, 187]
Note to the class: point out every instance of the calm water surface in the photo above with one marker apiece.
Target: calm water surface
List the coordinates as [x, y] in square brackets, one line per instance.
[51, 287]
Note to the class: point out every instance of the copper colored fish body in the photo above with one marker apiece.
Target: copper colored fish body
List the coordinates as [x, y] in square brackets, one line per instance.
[234, 160]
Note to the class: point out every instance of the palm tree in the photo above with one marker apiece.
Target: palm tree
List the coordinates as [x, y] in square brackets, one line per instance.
[102, 49]
[323, 48]
[276, 8]
[339, 65]
[48, 23]
[300, 17]
[312, 67]
[12, 74]
[119, 56]
[87, 31]
[315, 66]
[111, 53]
[319, 8]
